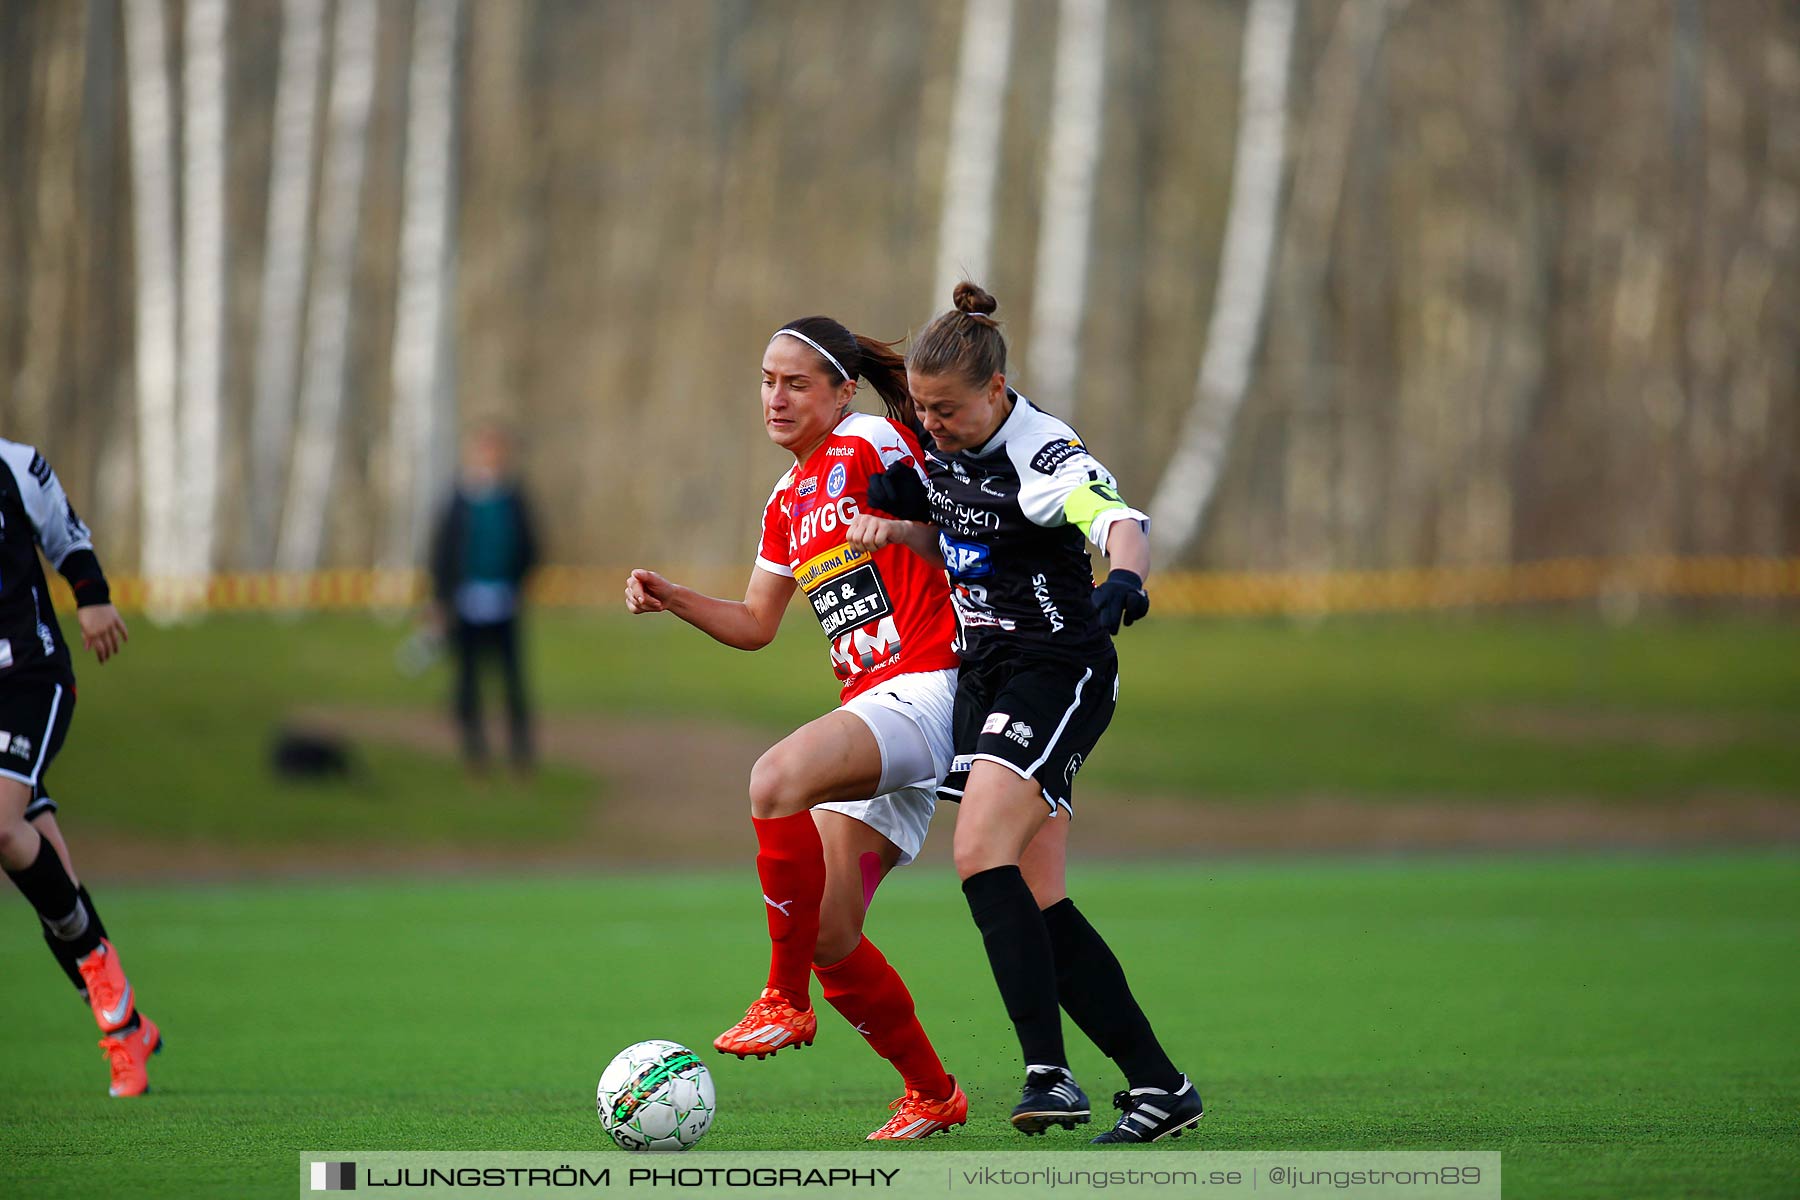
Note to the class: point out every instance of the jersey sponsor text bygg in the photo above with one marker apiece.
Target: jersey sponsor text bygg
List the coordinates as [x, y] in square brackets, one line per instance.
[885, 613]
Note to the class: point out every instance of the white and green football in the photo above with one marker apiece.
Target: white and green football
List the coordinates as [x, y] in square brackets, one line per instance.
[656, 1096]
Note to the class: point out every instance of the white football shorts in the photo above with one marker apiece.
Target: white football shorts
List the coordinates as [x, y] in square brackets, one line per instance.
[910, 718]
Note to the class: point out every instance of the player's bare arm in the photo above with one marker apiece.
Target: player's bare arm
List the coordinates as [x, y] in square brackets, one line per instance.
[747, 624]
[870, 532]
[1128, 549]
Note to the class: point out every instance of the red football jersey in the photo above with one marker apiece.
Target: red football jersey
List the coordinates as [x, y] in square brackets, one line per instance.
[886, 613]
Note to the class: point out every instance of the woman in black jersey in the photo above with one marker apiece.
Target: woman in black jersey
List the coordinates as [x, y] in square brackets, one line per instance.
[37, 704]
[1013, 498]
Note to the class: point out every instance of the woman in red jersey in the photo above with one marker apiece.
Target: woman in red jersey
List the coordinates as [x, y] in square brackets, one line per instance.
[845, 798]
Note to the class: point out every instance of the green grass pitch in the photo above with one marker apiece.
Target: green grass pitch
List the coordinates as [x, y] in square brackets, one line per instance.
[1614, 1026]
[1378, 709]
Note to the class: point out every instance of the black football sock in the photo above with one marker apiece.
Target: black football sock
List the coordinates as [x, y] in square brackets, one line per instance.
[1018, 949]
[93, 913]
[1091, 985]
[59, 906]
[64, 957]
[65, 960]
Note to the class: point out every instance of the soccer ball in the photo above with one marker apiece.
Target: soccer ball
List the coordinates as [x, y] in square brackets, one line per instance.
[656, 1096]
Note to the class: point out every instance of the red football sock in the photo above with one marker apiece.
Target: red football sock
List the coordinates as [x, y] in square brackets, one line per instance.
[872, 997]
[790, 860]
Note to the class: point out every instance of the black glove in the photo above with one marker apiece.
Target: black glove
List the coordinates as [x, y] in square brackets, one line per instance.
[898, 492]
[1122, 595]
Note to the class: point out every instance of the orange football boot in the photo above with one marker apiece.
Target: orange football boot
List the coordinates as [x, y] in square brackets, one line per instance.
[109, 992]
[129, 1053]
[771, 1024]
[915, 1117]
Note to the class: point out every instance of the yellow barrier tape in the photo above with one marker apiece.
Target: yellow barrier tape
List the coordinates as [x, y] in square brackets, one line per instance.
[1190, 593]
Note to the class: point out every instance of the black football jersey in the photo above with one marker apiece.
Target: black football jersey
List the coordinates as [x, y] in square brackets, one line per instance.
[33, 512]
[1013, 517]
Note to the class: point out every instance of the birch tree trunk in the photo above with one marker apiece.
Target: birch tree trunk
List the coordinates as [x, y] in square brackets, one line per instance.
[421, 391]
[57, 84]
[328, 314]
[1316, 387]
[1077, 119]
[285, 245]
[972, 160]
[102, 298]
[202, 281]
[153, 209]
[1251, 222]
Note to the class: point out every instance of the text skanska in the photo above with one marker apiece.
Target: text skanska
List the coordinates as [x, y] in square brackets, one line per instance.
[1040, 589]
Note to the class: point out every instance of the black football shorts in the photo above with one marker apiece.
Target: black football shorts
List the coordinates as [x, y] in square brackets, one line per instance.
[34, 718]
[1039, 718]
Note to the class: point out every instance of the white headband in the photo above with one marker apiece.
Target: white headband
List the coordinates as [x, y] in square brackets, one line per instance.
[829, 357]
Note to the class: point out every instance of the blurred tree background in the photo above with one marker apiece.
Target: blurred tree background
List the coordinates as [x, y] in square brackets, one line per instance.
[1535, 288]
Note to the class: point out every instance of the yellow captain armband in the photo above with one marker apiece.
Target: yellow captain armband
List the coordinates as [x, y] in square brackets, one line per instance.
[1089, 501]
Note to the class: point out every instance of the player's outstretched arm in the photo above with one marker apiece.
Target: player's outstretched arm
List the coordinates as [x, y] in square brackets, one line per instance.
[749, 624]
[869, 532]
[69, 546]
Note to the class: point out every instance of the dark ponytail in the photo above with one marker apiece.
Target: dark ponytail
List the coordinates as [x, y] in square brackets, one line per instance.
[885, 370]
[860, 356]
[965, 341]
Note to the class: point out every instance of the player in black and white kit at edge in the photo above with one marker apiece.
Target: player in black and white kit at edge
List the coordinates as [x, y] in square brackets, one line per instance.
[37, 702]
[1013, 498]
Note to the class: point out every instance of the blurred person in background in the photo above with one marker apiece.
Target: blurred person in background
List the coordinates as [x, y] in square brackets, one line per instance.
[847, 797]
[1013, 499]
[37, 703]
[482, 548]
